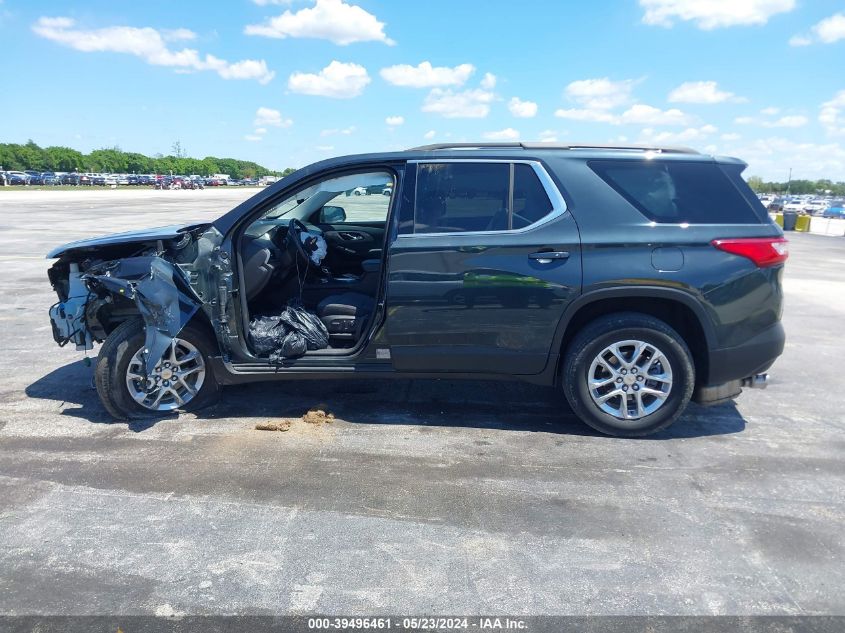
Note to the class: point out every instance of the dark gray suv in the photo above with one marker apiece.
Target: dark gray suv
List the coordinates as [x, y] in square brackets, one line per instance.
[635, 278]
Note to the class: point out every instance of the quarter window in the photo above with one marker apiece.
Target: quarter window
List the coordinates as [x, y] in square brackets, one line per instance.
[678, 192]
[530, 202]
[471, 197]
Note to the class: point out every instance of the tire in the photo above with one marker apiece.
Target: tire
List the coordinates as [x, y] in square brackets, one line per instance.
[663, 347]
[113, 362]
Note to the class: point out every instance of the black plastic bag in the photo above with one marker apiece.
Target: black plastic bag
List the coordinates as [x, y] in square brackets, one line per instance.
[288, 335]
[299, 320]
[266, 334]
[292, 345]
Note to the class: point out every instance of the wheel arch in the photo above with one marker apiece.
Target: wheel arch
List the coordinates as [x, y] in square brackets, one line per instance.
[675, 307]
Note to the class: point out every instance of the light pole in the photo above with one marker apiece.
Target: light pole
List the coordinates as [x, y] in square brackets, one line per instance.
[789, 181]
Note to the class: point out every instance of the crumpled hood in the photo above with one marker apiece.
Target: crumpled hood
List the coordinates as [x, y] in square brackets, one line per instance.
[129, 237]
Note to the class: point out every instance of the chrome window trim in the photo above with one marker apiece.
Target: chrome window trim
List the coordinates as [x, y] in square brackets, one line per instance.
[555, 197]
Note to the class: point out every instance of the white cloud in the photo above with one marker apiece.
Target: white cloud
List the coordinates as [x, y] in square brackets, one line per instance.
[771, 158]
[332, 20]
[150, 45]
[175, 35]
[324, 148]
[466, 104]
[425, 75]
[713, 14]
[488, 82]
[337, 80]
[639, 113]
[770, 111]
[394, 120]
[508, 134]
[429, 135]
[649, 115]
[702, 92]
[650, 135]
[832, 114]
[731, 136]
[332, 131]
[269, 116]
[547, 136]
[593, 116]
[522, 109]
[794, 120]
[253, 137]
[800, 40]
[601, 93]
[827, 31]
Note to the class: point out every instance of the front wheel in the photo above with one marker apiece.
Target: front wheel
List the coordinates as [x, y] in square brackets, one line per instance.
[628, 374]
[181, 380]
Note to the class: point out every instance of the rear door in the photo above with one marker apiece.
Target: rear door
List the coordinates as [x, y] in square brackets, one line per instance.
[485, 263]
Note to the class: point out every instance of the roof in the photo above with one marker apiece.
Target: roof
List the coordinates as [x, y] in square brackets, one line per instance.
[663, 149]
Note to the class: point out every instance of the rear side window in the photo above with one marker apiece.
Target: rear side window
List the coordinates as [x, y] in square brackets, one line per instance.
[677, 192]
[457, 197]
[471, 197]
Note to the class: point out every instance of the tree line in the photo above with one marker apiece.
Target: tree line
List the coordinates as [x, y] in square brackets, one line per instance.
[17, 157]
[820, 187]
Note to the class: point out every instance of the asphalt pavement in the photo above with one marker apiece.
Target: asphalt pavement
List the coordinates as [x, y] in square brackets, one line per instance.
[421, 496]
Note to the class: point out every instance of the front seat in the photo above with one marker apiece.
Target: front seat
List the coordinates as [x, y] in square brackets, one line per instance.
[345, 315]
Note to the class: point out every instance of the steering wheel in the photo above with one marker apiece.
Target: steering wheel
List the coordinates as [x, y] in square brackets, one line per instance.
[294, 243]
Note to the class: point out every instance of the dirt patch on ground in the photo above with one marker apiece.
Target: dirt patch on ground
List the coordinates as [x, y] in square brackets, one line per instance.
[318, 415]
[315, 416]
[271, 425]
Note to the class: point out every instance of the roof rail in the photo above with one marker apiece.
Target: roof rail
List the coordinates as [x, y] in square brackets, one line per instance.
[669, 149]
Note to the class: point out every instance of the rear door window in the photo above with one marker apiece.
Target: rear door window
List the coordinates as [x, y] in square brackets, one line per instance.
[459, 197]
[678, 192]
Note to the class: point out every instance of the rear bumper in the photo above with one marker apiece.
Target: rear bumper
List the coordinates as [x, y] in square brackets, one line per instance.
[733, 368]
[753, 357]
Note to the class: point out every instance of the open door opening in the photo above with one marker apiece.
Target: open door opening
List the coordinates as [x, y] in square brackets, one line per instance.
[312, 267]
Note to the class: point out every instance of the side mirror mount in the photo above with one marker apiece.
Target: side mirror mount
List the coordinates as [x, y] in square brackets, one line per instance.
[332, 215]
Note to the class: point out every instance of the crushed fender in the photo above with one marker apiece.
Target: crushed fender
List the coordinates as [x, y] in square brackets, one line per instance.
[162, 294]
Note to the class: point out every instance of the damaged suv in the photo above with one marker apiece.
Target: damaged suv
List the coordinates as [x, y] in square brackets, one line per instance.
[634, 278]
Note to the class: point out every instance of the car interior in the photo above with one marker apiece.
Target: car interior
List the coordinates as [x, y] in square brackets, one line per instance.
[321, 248]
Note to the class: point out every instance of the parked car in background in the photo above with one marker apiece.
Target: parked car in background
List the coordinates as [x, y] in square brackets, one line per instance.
[775, 206]
[794, 205]
[835, 210]
[17, 177]
[50, 178]
[132, 180]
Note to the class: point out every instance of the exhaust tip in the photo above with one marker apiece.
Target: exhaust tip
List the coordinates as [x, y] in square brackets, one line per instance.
[758, 381]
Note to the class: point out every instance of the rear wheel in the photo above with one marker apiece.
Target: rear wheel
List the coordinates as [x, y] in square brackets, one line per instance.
[628, 374]
[181, 380]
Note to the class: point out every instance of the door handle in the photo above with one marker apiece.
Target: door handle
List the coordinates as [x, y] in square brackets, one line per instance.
[546, 257]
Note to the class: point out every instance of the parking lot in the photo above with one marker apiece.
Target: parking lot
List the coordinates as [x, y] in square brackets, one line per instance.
[422, 496]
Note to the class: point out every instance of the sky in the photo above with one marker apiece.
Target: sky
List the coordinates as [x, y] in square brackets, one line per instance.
[289, 82]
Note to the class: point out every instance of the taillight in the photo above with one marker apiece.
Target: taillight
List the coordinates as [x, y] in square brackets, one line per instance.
[763, 251]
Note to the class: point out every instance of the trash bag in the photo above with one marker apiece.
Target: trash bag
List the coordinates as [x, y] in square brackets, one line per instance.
[266, 334]
[298, 319]
[292, 345]
[288, 335]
